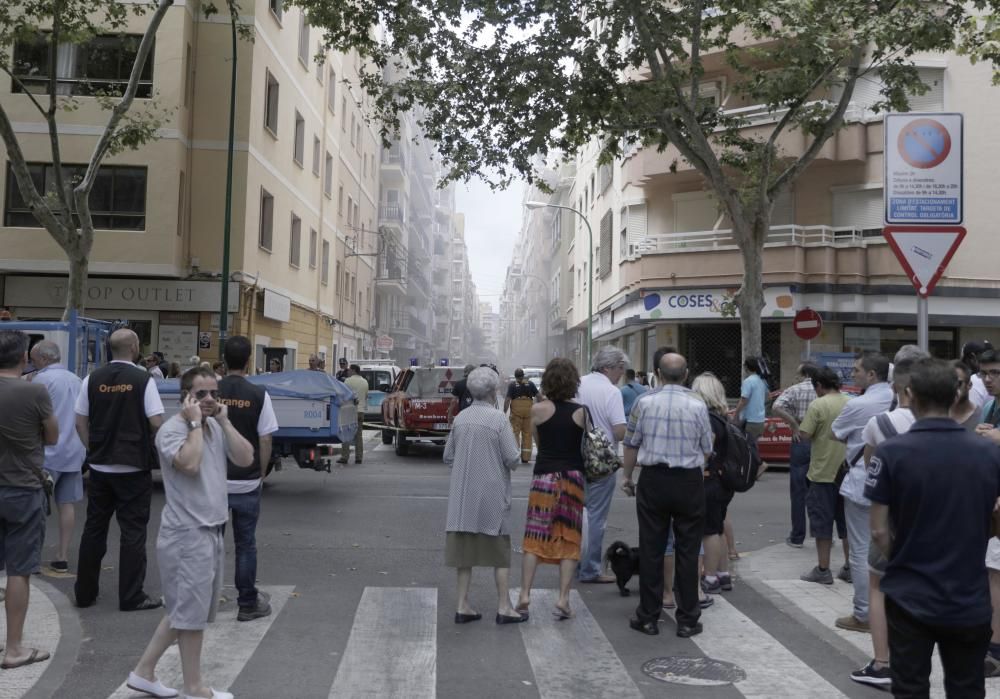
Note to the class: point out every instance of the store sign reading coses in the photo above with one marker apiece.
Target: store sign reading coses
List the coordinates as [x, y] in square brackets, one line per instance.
[707, 303]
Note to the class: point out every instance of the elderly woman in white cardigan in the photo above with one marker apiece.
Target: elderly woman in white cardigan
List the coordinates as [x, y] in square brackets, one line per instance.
[482, 452]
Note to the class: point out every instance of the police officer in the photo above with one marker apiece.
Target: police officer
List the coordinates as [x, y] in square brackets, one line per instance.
[250, 412]
[117, 413]
[521, 394]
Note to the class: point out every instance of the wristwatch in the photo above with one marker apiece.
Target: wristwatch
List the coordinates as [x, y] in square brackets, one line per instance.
[193, 424]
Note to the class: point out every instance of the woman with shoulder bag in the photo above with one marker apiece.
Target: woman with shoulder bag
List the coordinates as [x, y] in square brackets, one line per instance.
[554, 527]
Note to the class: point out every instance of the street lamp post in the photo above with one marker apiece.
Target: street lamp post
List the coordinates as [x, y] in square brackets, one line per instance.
[590, 270]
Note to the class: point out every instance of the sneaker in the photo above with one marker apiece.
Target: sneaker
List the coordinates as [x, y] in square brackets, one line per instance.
[816, 575]
[788, 540]
[59, 566]
[844, 573]
[261, 609]
[991, 667]
[705, 603]
[712, 588]
[726, 583]
[869, 675]
[852, 623]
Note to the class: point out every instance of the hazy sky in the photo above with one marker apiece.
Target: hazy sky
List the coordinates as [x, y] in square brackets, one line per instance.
[492, 221]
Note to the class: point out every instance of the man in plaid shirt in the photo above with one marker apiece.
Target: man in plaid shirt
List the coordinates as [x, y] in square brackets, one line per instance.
[791, 407]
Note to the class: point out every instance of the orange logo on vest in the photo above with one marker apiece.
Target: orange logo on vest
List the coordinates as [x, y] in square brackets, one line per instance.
[235, 402]
[115, 388]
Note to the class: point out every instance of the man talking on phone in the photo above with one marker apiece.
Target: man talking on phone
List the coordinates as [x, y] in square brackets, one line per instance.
[251, 413]
[194, 448]
[117, 413]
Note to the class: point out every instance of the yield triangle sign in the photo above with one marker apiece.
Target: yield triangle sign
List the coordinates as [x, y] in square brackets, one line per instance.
[924, 252]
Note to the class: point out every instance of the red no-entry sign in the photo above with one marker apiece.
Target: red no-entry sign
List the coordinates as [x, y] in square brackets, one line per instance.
[807, 324]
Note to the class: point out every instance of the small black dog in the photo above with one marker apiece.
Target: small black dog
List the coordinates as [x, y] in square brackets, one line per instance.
[624, 562]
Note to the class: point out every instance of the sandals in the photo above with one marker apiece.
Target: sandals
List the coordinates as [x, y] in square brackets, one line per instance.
[522, 609]
[562, 614]
[36, 656]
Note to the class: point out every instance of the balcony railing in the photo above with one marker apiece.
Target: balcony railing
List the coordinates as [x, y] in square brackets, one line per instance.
[763, 114]
[391, 212]
[692, 241]
[390, 157]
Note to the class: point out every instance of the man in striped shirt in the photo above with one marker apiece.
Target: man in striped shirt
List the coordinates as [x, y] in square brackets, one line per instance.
[791, 407]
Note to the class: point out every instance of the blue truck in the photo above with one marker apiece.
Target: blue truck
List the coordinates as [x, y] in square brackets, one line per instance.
[313, 410]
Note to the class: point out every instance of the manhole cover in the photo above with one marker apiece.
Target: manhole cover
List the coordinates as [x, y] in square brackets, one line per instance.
[704, 672]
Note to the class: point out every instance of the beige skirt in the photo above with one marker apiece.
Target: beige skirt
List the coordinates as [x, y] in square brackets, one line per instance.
[469, 550]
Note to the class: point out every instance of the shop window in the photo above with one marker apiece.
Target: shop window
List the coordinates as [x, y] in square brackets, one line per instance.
[716, 348]
[942, 342]
[117, 200]
[99, 66]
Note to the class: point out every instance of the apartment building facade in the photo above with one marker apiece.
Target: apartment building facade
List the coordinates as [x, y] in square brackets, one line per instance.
[305, 190]
[665, 261]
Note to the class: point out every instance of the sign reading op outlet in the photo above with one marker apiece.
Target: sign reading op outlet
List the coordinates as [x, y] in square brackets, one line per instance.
[923, 169]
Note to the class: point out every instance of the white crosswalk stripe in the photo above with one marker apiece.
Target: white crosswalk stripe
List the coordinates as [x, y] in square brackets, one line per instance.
[395, 650]
[571, 654]
[228, 647]
[779, 571]
[392, 650]
[773, 671]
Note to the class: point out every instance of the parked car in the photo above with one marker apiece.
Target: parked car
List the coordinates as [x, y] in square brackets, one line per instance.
[775, 444]
[381, 375]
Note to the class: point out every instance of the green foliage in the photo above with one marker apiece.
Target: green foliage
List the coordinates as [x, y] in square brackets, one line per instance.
[501, 82]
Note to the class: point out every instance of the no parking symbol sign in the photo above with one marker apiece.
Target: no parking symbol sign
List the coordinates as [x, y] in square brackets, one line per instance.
[923, 169]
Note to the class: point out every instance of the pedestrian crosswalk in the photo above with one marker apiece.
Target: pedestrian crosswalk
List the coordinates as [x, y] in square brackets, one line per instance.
[227, 647]
[402, 644]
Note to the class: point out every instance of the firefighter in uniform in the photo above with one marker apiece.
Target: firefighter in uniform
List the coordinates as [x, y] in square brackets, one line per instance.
[521, 394]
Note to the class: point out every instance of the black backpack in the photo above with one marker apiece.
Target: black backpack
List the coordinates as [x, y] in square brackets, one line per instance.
[738, 459]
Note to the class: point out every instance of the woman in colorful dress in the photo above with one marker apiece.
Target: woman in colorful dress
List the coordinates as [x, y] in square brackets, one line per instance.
[482, 452]
[553, 531]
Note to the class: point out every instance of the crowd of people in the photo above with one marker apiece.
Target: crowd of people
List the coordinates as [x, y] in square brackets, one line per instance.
[904, 464]
[111, 423]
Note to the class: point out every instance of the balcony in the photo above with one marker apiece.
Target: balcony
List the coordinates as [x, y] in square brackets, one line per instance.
[860, 137]
[722, 239]
[393, 169]
[792, 255]
[391, 215]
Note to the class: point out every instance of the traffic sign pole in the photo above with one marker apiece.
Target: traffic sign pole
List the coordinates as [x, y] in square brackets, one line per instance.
[923, 320]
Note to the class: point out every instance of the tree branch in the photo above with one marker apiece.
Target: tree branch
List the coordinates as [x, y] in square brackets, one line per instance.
[696, 71]
[697, 149]
[62, 191]
[104, 142]
[26, 185]
[17, 81]
[831, 125]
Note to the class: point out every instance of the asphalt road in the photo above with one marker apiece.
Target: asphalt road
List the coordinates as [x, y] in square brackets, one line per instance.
[329, 545]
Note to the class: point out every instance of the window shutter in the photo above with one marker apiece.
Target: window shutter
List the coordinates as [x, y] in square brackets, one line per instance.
[606, 243]
[933, 99]
[636, 226]
[861, 209]
[783, 213]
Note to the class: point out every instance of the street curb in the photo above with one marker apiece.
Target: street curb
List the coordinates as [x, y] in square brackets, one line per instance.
[66, 653]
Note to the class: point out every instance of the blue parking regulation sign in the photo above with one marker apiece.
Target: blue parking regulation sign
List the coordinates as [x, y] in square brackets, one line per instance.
[923, 158]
